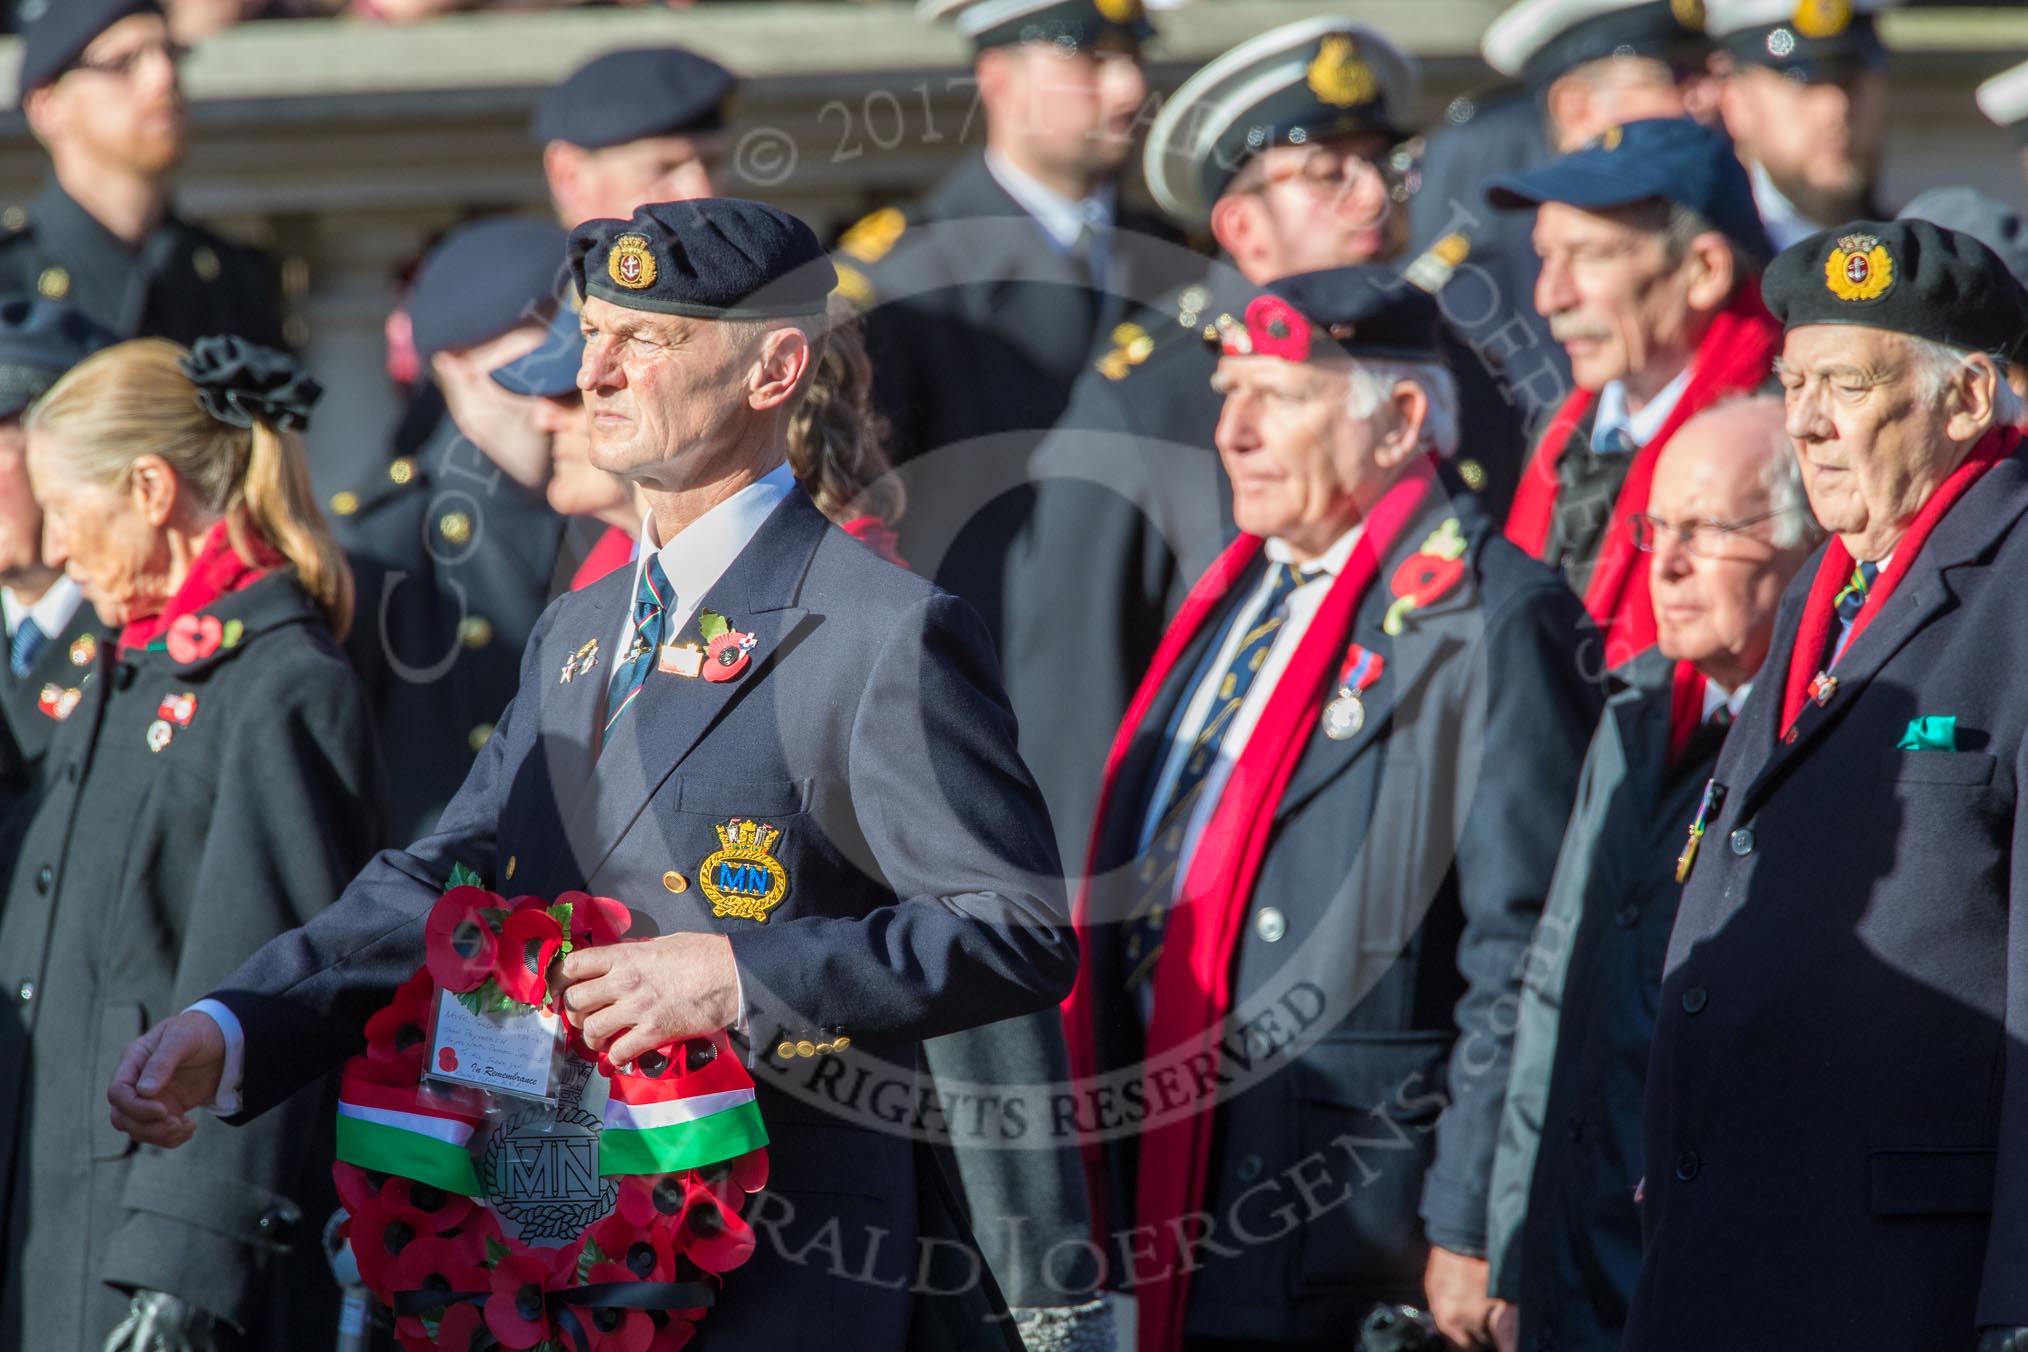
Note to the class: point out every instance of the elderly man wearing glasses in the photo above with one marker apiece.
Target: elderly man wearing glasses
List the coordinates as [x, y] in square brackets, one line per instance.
[100, 89]
[1727, 527]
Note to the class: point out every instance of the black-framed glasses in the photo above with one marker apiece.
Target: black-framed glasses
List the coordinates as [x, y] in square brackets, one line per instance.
[1705, 538]
[126, 63]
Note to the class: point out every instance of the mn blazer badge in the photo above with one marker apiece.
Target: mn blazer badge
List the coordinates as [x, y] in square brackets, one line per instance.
[741, 878]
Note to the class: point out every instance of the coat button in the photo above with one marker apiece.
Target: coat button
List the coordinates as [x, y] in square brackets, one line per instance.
[1270, 925]
[806, 1048]
[1742, 841]
[455, 527]
[1249, 1168]
[1693, 999]
[277, 1225]
[344, 502]
[675, 881]
[476, 738]
[840, 1043]
[1687, 1165]
[25, 992]
[1628, 916]
[45, 877]
[787, 1051]
[402, 470]
[513, 862]
[475, 631]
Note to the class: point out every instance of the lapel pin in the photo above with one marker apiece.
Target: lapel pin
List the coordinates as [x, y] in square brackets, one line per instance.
[84, 651]
[159, 733]
[59, 702]
[178, 709]
[580, 662]
[726, 650]
[1707, 808]
[680, 660]
[1822, 686]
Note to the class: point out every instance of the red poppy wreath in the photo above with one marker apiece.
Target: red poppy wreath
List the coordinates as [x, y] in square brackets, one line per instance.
[602, 1223]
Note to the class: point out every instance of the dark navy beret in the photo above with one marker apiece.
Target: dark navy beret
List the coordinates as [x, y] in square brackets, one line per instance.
[52, 43]
[39, 341]
[1909, 277]
[713, 258]
[482, 279]
[642, 91]
[1367, 310]
[550, 371]
[1669, 159]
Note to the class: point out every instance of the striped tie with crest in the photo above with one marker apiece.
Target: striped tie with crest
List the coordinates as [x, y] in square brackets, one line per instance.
[651, 610]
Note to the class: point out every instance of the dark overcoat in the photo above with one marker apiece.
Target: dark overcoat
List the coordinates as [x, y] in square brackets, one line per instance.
[31, 724]
[923, 894]
[1378, 966]
[1838, 1098]
[147, 876]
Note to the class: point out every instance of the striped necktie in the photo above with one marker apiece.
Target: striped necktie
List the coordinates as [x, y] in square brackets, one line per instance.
[651, 609]
[1155, 880]
[1851, 599]
[28, 641]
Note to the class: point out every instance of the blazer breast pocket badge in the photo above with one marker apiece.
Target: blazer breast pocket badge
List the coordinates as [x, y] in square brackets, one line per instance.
[741, 878]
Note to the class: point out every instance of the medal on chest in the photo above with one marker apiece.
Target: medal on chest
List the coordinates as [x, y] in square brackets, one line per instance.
[1345, 715]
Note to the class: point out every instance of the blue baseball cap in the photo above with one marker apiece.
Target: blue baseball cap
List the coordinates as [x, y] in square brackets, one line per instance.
[550, 371]
[1669, 159]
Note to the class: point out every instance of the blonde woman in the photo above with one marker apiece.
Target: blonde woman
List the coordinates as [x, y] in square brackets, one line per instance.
[214, 782]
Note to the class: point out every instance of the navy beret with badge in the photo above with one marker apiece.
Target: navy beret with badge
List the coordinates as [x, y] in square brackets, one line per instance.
[1303, 82]
[1811, 39]
[52, 44]
[1668, 159]
[550, 371]
[1363, 311]
[482, 279]
[1907, 276]
[1536, 41]
[713, 258]
[639, 92]
[39, 341]
[1077, 24]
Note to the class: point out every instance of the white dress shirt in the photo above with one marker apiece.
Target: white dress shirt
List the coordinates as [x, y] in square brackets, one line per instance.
[1717, 696]
[693, 561]
[52, 614]
[1782, 219]
[1614, 430]
[1302, 609]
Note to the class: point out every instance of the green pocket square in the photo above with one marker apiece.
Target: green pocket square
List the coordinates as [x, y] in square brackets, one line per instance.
[1930, 734]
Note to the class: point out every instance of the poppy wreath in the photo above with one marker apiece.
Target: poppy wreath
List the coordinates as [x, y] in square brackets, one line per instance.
[1427, 575]
[681, 1138]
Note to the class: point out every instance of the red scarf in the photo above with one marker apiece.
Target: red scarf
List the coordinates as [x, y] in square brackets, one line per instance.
[217, 570]
[613, 550]
[1813, 632]
[1193, 977]
[1735, 355]
[1686, 709]
[877, 536]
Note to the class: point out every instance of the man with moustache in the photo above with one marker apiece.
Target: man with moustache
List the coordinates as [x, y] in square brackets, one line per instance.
[1803, 90]
[1837, 1105]
[100, 90]
[1651, 252]
[1727, 526]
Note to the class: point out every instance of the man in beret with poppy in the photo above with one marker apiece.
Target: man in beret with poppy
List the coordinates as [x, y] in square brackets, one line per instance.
[100, 89]
[1837, 1116]
[852, 710]
[1326, 830]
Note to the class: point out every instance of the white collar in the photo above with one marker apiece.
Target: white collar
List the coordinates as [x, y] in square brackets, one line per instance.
[1062, 218]
[704, 549]
[52, 614]
[1328, 564]
[1716, 695]
[1640, 427]
[1782, 219]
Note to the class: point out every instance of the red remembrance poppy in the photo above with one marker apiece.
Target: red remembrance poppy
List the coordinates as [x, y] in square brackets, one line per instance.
[463, 1330]
[1423, 578]
[518, 1309]
[443, 1266]
[596, 920]
[732, 1181]
[672, 1335]
[529, 942]
[1277, 329]
[398, 1033]
[458, 945]
[726, 656]
[712, 1235]
[647, 1198]
[616, 1330]
[646, 1252]
[439, 1210]
[192, 638]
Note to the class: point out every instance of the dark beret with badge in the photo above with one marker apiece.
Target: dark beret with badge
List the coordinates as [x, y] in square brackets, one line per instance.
[52, 44]
[1536, 41]
[1908, 276]
[2004, 100]
[639, 92]
[1364, 311]
[550, 371]
[713, 258]
[1810, 39]
[1303, 82]
[482, 279]
[39, 341]
[1666, 159]
[1077, 24]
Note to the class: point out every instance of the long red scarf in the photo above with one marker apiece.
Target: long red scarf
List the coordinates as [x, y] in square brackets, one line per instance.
[1686, 709]
[612, 551]
[1813, 632]
[1193, 978]
[217, 570]
[1735, 355]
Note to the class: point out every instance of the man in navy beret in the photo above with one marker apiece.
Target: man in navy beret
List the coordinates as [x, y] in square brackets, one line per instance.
[645, 124]
[453, 547]
[1837, 1113]
[100, 89]
[757, 674]
[1327, 827]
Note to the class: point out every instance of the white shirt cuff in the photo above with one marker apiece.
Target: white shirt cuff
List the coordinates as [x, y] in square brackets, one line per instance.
[226, 1101]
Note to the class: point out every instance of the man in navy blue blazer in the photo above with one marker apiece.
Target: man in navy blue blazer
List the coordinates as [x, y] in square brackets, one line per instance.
[757, 678]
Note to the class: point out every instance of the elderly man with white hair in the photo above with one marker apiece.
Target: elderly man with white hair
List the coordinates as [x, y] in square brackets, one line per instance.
[1726, 528]
[1326, 830]
[1838, 1095]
